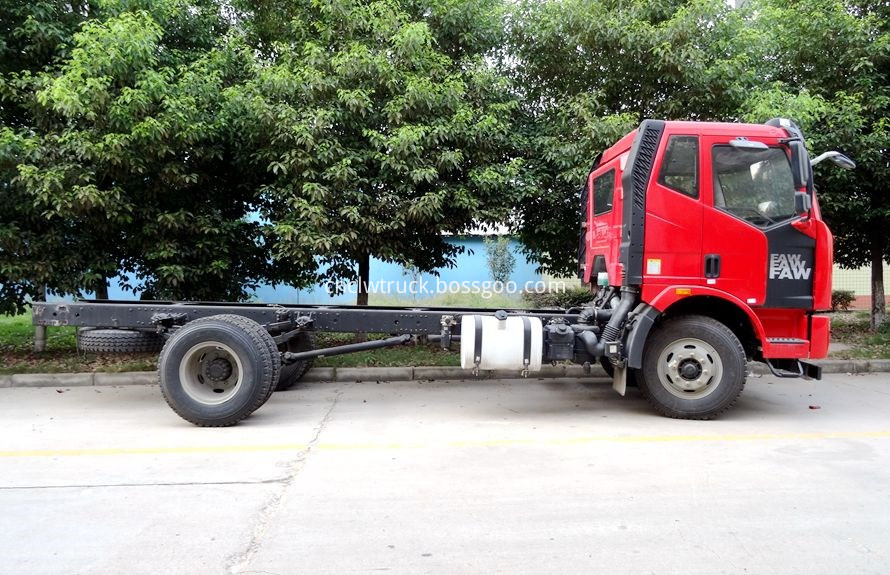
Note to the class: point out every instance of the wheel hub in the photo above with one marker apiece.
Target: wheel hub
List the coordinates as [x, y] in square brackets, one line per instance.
[211, 372]
[219, 369]
[689, 368]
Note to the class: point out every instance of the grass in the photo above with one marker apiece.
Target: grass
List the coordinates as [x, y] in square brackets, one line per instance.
[853, 329]
[405, 355]
[61, 356]
[465, 300]
[17, 335]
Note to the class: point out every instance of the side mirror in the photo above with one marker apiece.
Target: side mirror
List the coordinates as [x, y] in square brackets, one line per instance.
[803, 203]
[835, 158]
[800, 163]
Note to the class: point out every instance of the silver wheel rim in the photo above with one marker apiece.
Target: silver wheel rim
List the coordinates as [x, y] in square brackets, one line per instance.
[690, 368]
[211, 373]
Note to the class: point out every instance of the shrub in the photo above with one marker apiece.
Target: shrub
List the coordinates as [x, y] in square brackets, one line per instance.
[500, 258]
[841, 299]
[571, 297]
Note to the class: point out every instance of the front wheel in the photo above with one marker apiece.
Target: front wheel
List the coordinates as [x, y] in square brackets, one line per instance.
[693, 368]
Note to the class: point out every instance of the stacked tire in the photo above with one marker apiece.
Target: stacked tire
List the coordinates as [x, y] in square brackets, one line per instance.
[96, 340]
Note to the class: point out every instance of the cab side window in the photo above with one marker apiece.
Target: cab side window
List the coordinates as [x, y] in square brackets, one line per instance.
[603, 192]
[679, 169]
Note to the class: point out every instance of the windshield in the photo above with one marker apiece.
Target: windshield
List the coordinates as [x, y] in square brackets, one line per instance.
[754, 185]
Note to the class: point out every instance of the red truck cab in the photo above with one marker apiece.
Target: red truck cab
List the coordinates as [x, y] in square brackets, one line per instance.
[719, 219]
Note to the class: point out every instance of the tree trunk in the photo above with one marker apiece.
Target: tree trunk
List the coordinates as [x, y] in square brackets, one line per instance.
[102, 290]
[40, 330]
[878, 305]
[364, 270]
[361, 298]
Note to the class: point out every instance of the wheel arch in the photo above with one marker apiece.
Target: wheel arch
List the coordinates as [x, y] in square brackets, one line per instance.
[739, 318]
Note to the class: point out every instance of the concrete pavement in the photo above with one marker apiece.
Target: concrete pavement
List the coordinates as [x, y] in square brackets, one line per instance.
[492, 476]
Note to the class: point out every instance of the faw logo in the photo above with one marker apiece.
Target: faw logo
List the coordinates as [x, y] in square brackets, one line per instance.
[788, 267]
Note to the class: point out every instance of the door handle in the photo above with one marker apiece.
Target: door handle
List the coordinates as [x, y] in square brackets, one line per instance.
[712, 265]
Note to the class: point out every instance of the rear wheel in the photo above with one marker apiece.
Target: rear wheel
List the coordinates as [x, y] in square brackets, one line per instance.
[267, 341]
[291, 373]
[693, 368]
[216, 371]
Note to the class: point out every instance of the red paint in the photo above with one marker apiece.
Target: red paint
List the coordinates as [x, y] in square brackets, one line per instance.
[820, 336]
[680, 230]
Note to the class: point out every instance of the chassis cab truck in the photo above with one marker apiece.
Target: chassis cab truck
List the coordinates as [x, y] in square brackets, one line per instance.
[703, 245]
[708, 248]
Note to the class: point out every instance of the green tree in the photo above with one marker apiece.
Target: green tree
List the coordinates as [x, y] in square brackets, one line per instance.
[589, 72]
[383, 131]
[32, 35]
[829, 68]
[134, 161]
[500, 259]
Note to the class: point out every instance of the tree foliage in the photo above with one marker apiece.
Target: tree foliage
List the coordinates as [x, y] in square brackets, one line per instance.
[382, 131]
[588, 72]
[830, 69]
[130, 162]
[32, 35]
[199, 148]
[500, 259]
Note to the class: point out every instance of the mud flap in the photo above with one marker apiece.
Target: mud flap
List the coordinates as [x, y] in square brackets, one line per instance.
[619, 381]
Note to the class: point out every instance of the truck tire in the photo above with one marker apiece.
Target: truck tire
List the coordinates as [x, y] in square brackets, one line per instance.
[118, 341]
[216, 371]
[248, 323]
[693, 368]
[291, 374]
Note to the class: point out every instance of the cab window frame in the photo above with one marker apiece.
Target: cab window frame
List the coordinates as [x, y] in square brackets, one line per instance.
[695, 193]
[755, 217]
[610, 176]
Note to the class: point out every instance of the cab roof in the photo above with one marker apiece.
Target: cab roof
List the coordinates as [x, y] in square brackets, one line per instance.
[699, 129]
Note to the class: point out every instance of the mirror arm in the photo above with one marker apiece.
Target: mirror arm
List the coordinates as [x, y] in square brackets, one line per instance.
[837, 158]
[819, 158]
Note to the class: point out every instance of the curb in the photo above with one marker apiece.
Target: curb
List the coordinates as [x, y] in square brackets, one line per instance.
[836, 366]
[78, 379]
[361, 374]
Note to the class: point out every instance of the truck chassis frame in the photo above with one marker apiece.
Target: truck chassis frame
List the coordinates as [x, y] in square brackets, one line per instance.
[276, 318]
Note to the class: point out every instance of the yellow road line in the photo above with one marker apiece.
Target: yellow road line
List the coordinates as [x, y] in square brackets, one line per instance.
[504, 442]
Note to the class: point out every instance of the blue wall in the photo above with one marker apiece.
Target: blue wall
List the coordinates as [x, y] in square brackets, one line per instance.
[470, 266]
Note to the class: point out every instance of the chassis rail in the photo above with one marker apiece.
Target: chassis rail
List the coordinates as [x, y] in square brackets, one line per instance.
[276, 317]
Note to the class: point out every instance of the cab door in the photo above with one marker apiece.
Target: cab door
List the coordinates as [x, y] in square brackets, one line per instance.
[674, 216]
[750, 247]
[604, 217]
